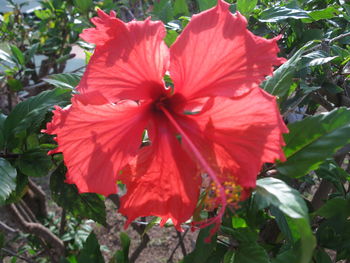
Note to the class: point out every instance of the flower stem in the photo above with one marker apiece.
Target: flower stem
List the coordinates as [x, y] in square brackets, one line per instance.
[204, 165]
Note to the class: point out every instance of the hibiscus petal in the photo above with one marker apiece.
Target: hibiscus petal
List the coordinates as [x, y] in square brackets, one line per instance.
[97, 140]
[107, 27]
[217, 55]
[130, 64]
[238, 135]
[163, 181]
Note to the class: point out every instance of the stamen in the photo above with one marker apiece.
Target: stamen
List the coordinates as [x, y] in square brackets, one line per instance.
[208, 169]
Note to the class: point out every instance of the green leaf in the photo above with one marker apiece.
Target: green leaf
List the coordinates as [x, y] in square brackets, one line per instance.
[301, 240]
[295, 226]
[321, 256]
[34, 163]
[206, 4]
[274, 192]
[64, 80]
[326, 13]
[276, 14]
[83, 5]
[14, 84]
[306, 243]
[163, 10]
[203, 249]
[91, 252]
[87, 205]
[28, 115]
[170, 37]
[4, 56]
[43, 14]
[229, 257]
[335, 207]
[121, 256]
[246, 6]
[7, 179]
[181, 8]
[315, 58]
[281, 81]
[251, 253]
[238, 222]
[312, 140]
[331, 172]
[17, 53]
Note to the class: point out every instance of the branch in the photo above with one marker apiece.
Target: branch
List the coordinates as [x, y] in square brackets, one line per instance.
[7, 228]
[40, 231]
[180, 243]
[14, 254]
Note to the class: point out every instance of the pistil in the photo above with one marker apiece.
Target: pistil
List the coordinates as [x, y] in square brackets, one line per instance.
[206, 167]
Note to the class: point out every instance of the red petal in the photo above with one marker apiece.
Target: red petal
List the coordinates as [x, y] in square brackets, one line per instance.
[96, 141]
[164, 181]
[238, 135]
[217, 55]
[131, 64]
[107, 28]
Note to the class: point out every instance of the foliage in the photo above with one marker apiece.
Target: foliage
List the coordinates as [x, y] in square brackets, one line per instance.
[299, 211]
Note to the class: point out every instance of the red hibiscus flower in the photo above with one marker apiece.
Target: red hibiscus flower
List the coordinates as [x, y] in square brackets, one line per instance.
[215, 120]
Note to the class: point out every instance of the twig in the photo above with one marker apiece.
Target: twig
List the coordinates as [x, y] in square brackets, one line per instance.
[63, 222]
[40, 231]
[128, 11]
[180, 243]
[329, 41]
[144, 240]
[14, 254]
[8, 228]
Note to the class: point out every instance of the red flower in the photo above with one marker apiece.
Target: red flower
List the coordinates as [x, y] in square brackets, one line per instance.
[216, 120]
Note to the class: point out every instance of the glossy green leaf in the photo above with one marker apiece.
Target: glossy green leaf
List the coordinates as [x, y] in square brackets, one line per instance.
[229, 257]
[335, 207]
[274, 192]
[83, 5]
[34, 163]
[64, 80]
[206, 4]
[91, 252]
[163, 10]
[14, 84]
[17, 53]
[203, 249]
[4, 56]
[88, 205]
[121, 256]
[276, 14]
[331, 172]
[29, 114]
[7, 179]
[315, 58]
[251, 253]
[170, 37]
[181, 8]
[321, 256]
[246, 6]
[43, 14]
[312, 140]
[281, 81]
[326, 13]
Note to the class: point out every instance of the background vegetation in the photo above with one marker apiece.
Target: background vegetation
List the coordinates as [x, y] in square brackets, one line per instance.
[300, 210]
